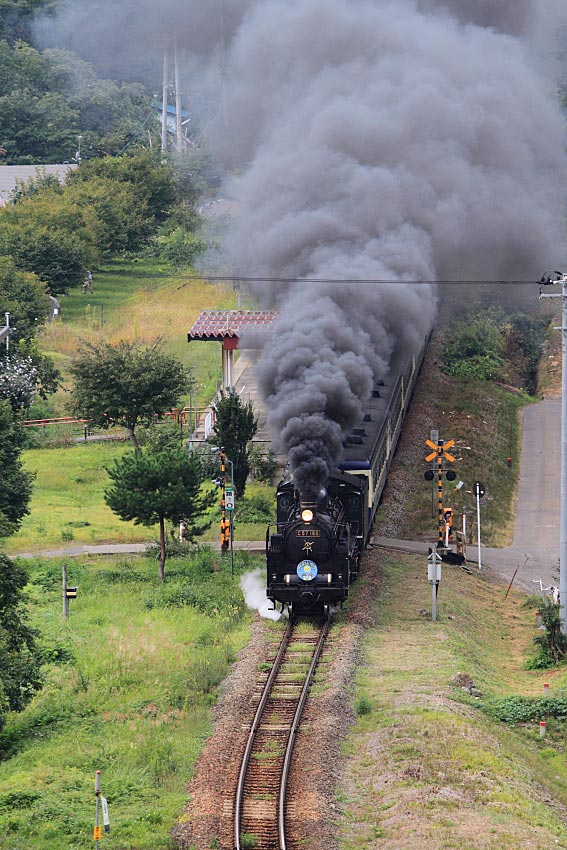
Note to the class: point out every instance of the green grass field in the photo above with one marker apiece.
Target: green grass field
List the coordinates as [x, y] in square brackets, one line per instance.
[68, 509]
[130, 679]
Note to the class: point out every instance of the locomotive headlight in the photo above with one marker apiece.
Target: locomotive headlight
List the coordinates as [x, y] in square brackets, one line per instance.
[307, 515]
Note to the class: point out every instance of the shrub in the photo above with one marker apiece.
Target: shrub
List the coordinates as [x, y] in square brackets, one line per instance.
[551, 642]
[520, 709]
[263, 464]
[258, 508]
[362, 705]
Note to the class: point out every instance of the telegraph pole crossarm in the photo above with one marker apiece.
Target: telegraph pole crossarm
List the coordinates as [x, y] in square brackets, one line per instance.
[550, 279]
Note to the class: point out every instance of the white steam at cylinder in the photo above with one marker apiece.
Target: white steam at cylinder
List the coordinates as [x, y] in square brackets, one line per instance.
[253, 586]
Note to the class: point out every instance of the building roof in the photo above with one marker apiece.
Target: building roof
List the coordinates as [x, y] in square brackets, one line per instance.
[219, 325]
[11, 174]
[157, 104]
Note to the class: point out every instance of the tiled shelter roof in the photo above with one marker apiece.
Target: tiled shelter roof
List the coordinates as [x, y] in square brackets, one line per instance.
[222, 324]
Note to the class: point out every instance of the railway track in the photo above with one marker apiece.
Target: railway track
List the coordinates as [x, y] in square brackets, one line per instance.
[260, 807]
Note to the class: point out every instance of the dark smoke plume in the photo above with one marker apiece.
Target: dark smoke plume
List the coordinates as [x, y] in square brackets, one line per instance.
[373, 140]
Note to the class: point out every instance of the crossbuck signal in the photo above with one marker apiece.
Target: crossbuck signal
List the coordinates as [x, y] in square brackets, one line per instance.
[440, 453]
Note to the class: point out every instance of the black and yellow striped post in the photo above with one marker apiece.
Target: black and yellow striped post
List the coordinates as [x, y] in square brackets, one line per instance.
[224, 523]
[441, 454]
[441, 519]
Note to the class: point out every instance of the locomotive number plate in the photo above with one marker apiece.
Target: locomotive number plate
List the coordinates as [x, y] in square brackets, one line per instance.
[308, 532]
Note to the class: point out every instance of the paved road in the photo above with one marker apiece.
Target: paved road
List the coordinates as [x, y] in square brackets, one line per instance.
[535, 546]
[128, 548]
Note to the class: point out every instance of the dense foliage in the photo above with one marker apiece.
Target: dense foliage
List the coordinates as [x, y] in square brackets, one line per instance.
[16, 17]
[108, 207]
[125, 385]
[494, 346]
[24, 370]
[19, 658]
[25, 298]
[520, 709]
[16, 487]
[150, 487]
[51, 98]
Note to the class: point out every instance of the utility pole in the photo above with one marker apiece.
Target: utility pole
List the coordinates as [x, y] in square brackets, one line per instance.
[178, 127]
[222, 61]
[549, 279]
[165, 85]
[64, 588]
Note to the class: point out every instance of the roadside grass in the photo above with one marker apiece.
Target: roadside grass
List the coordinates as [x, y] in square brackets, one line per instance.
[67, 507]
[423, 759]
[130, 679]
[141, 302]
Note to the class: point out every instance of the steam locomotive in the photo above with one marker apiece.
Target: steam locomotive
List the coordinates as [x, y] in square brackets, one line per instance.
[313, 554]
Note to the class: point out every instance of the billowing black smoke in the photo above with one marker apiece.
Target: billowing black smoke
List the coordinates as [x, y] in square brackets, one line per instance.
[373, 140]
[330, 344]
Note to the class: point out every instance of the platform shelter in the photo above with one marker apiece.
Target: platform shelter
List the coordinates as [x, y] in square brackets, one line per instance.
[226, 326]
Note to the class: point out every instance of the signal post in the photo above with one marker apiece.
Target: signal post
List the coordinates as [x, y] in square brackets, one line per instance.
[440, 454]
[224, 524]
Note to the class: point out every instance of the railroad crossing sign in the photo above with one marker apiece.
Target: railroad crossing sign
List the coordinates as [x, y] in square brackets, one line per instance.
[440, 450]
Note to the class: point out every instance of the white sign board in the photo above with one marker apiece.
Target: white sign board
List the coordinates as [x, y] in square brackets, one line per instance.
[105, 817]
[209, 422]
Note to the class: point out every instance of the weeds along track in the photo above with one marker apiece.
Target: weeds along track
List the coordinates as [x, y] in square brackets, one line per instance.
[260, 805]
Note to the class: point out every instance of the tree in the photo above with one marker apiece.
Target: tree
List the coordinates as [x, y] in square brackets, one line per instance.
[234, 427]
[18, 382]
[16, 489]
[124, 385]
[56, 255]
[19, 658]
[150, 487]
[48, 98]
[143, 172]
[25, 298]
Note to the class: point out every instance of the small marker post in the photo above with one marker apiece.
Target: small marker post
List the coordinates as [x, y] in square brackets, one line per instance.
[98, 829]
[542, 728]
[546, 689]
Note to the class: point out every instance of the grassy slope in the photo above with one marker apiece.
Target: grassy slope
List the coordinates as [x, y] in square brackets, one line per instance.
[426, 761]
[483, 420]
[130, 694]
[141, 303]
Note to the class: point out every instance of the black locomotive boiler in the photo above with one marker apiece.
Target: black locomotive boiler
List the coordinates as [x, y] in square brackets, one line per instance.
[313, 554]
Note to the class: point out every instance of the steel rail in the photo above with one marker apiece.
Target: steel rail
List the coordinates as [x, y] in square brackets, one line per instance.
[256, 722]
[293, 732]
